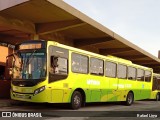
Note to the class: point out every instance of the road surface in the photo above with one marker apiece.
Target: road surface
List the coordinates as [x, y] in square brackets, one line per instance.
[140, 110]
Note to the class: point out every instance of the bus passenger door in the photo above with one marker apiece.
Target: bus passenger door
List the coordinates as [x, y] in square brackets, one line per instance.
[122, 85]
[110, 73]
[140, 84]
[113, 87]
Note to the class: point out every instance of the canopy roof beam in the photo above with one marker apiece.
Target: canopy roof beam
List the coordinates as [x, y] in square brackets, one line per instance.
[91, 41]
[16, 24]
[133, 57]
[51, 27]
[115, 50]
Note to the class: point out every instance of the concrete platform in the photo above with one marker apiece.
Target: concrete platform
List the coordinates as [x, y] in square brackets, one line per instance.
[8, 102]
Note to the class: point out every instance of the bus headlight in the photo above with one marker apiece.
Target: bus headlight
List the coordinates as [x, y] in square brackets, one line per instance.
[39, 90]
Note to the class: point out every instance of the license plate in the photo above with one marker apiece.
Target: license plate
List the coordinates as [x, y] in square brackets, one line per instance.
[23, 96]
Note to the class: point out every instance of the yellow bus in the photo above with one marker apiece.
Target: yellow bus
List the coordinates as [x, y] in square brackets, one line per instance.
[47, 71]
[155, 94]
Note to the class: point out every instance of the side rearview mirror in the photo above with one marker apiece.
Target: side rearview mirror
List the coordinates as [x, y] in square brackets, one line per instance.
[10, 71]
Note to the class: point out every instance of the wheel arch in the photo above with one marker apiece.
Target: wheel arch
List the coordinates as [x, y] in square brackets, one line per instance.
[131, 92]
[82, 93]
[129, 101]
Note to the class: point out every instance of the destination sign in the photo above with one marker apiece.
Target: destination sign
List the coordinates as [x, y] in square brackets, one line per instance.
[30, 46]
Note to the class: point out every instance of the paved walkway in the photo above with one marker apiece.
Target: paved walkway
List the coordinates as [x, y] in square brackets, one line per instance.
[7, 102]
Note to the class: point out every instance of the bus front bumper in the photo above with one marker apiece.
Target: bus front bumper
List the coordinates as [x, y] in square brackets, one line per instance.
[46, 96]
[41, 97]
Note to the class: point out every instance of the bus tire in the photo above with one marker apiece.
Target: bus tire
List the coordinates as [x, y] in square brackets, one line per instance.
[76, 100]
[157, 97]
[129, 99]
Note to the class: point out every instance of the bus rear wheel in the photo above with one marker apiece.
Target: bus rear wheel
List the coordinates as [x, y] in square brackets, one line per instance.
[157, 97]
[76, 100]
[129, 99]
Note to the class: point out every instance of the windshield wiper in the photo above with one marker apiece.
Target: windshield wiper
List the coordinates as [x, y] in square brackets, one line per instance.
[28, 59]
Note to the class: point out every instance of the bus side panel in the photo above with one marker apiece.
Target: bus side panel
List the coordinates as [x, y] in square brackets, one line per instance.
[153, 94]
[148, 89]
[112, 90]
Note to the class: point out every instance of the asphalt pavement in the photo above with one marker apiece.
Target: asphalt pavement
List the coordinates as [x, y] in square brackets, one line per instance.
[141, 110]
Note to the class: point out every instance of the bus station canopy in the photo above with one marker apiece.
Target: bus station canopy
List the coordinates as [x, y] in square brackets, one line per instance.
[22, 19]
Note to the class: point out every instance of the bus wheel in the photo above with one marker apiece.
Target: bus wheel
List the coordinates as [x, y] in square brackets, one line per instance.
[76, 100]
[129, 99]
[157, 97]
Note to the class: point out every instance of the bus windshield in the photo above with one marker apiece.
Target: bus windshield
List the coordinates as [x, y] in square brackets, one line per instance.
[29, 65]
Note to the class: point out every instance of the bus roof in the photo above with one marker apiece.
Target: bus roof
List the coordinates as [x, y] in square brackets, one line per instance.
[156, 74]
[120, 59]
[108, 57]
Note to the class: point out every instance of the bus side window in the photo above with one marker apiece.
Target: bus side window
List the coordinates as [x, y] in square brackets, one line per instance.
[131, 73]
[79, 63]
[59, 65]
[147, 76]
[158, 82]
[122, 71]
[96, 66]
[54, 64]
[140, 75]
[110, 69]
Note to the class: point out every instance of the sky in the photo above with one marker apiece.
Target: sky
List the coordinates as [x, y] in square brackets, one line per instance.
[138, 21]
